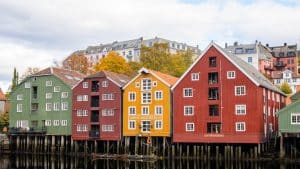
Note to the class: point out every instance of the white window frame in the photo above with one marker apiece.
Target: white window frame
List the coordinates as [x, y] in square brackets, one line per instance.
[48, 83]
[56, 106]
[104, 83]
[85, 98]
[64, 94]
[27, 85]
[19, 97]
[142, 127]
[145, 108]
[131, 108]
[55, 122]
[130, 94]
[85, 85]
[159, 91]
[236, 88]
[79, 98]
[48, 96]
[195, 76]
[146, 84]
[131, 122]
[81, 127]
[239, 108]
[187, 113]
[48, 123]
[64, 122]
[79, 113]
[19, 107]
[230, 74]
[154, 83]
[56, 89]
[108, 96]
[156, 123]
[238, 126]
[137, 84]
[161, 110]
[147, 99]
[107, 128]
[296, 115]
[108, 112]
[184, 93]
[187, 128]
[48, 106]
[64, 106]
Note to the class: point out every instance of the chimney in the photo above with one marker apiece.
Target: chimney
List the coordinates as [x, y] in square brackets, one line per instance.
[235, 43]
[284, 44]
[267, 45]
[226, 45]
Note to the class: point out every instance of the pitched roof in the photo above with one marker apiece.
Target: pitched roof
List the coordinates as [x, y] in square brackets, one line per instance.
[70, 77]
[288, 107]
[165, 78]
[119, 79]
[2, 96]
[254, 75]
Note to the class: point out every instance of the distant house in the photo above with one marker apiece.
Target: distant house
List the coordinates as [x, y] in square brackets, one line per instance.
[223, 99]
[3, 102]
[289, 77]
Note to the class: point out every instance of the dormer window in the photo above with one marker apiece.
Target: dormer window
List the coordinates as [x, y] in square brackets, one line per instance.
[238, 50]
[212, 62]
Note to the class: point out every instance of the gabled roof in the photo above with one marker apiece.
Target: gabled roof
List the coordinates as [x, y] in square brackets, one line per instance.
[2, 96]
[165, 78]
[70, 77]
[254, 75]
[118, 79]
[288, 107]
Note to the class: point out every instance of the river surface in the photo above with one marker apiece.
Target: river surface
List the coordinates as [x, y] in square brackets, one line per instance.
[66, 162]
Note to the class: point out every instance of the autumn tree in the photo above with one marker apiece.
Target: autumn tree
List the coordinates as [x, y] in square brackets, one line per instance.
[135, 67]
[285, 88]
[113, 62]
[78, 62]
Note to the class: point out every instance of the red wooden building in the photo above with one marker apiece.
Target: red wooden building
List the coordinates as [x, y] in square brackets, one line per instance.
[222, 99]
[97, 107]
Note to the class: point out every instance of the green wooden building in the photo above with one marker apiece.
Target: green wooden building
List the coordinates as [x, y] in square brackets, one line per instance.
[42, 103]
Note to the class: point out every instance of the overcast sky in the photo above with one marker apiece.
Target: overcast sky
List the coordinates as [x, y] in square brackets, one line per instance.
[35, 33]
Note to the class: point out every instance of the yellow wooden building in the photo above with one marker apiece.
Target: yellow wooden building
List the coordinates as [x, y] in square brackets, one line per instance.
[147, 104]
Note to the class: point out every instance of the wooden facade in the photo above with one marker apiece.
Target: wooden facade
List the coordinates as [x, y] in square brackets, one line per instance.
[97, 107]
[222, 99]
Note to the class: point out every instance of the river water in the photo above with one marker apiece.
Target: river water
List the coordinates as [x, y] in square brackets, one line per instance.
[67, 162]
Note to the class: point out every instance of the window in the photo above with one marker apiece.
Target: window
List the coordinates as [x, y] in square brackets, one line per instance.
[79, 98]
[240, 90]
[95, 86]
[64, 122]
[108, 112]
[189, 127]
[85, 98]
[104, 83]
[19, 97]
[19, 107]
[195, 76]
[146, 84]
[55, 122]
[137, 84]
[154, 83]
[131, 96]
[64, 106]
[158, 95]
[22, 123]
[250, 50]
[47, 122]
[145, 110]
[48, 95]
[295, 118]
[213, 78]
[131, 124]
[85, 85]
[188, 110]
[48, 83]
[240, 126]
[109, 96]
[213, 93]
[81, 127]
[27, 85]
[158, 110]
[239, 50]
[249, 59]
[213, 128]
[48, 106]
[230, 74]
[79, 113]
[281, 54]
[56, 88]
[212, 62]
[213, 110]
[64, 95]
[107, 128]
[187, 92]
[56, 106]
[146, 97]
[158, 124]
[35, 107]
[240, 109]
[132, 110]
[146, 126]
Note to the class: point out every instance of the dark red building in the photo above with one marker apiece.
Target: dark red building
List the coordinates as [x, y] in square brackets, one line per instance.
[97, 107]
[222, 99]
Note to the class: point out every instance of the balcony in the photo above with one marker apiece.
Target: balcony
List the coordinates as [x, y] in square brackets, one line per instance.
[95, 116]
[213, 93]
[31, 130]
[94, 134]
[95, 101]
[213, 78]
[279, 64]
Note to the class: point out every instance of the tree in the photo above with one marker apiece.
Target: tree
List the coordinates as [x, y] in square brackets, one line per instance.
[4, 119]
[77, 62]
[135, 67]
[285, 88]
[15, 79]
[29, 71]
[113, 62]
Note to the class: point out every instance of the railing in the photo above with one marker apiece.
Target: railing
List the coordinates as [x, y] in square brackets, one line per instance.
[94, 133]
[279, 64]
[31, 130]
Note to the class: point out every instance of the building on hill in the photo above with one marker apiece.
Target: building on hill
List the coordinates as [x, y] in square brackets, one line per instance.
[289, 77]
[42, 103]
[256, 54]
[147, 105]
[223, 99]
[97, 107]
[131, 49]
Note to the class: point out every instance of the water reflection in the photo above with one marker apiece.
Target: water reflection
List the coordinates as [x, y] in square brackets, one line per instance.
[68, 162]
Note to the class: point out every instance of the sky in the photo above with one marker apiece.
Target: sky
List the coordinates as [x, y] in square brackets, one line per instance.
[37, 33]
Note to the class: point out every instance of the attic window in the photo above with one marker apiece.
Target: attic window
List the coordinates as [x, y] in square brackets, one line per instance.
[238, 50]
[250, 50]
